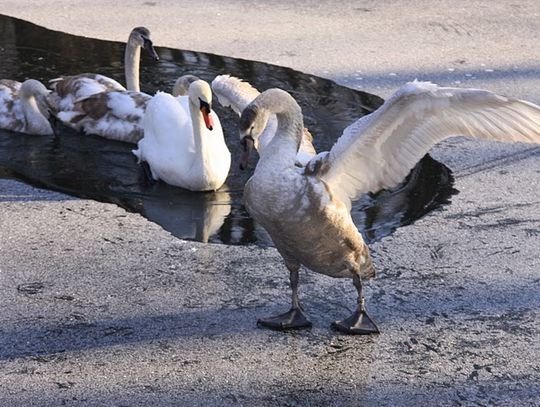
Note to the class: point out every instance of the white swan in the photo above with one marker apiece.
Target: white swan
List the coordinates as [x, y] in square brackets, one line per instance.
[237, 94]
[183, 141]
[307, 211]
[23, 107]
[68, 89]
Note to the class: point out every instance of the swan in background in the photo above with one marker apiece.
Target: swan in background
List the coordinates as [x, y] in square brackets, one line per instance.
[23, 107]
[307, 211]
[183, 141]
[234, 93]
[116, 115]
[68, 89]
[181, 85]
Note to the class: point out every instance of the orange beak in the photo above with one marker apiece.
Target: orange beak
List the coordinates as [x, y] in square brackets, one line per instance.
[207, 117]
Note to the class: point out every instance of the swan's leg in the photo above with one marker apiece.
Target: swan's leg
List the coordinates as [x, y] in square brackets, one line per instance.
[55, 124]
[294, 318]
[359, 323]
[147, 173]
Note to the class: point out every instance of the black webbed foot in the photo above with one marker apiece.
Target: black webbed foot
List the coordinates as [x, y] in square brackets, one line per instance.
[147, 173]
[293, 319]
[55, 124]
[358, 323]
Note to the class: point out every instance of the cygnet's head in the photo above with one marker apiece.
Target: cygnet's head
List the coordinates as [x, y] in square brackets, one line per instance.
[200, 95]
[252, 123]
[32, 88]
[140, 36]
[181, 86]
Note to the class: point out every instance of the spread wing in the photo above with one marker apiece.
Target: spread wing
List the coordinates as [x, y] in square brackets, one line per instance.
[380, 149]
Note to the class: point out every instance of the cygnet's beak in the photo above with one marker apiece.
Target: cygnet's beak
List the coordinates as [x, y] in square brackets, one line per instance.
[205, 110]
[247, 144]
[149, 47]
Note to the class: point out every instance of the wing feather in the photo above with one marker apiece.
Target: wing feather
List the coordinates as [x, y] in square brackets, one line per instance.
[380, 149]
[233, 92]
[114, 114]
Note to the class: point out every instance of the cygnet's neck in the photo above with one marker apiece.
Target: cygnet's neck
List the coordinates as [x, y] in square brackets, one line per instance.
[132, 59]
[282, 150]
[36, 122]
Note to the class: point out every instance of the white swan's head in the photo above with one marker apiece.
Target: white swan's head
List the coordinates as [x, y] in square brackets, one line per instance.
[140, 37]
[200, 95]
[181, 86]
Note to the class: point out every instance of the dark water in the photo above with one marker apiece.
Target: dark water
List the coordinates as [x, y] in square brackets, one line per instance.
[104, 170]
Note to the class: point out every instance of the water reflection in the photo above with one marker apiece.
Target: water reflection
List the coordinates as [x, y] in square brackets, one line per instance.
[194, 216]
[105, 170]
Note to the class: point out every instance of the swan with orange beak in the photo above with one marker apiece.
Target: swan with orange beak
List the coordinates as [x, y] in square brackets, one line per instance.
[183, 142]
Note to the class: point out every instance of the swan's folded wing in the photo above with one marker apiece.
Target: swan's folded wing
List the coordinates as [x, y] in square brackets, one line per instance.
[233, 92]
[114, 114]
[10, 86]
[68, 89]
[11, 116]
[380, 149]
[83, 85]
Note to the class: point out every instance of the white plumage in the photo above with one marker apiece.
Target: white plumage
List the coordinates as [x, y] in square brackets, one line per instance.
[178, 146]
[380, 149]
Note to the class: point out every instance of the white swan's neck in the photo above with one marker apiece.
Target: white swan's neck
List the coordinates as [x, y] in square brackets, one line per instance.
[199, 129]
[132, 58]
[36, 123]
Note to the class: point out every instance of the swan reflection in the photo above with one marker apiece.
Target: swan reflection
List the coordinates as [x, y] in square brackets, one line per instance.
[189, 215]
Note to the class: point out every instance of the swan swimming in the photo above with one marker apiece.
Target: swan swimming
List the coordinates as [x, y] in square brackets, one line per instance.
[95, 104]
[183, 140]
[23, 107]
[68, 89]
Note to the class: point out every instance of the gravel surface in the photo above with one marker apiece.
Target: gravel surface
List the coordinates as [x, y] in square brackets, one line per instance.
[103, 308]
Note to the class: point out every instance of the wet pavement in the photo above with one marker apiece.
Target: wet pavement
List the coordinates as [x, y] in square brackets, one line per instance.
[126, 314]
